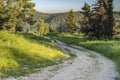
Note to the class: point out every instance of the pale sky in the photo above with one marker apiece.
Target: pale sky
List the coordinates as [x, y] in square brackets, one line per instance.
[55, 6]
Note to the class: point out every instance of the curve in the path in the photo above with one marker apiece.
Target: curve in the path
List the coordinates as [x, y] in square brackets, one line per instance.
[88, 65]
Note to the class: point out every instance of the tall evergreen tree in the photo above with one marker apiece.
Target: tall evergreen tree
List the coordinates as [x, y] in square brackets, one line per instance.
[70, 22]
[110, 18]
[10, 15]
[105, 19]
[13, 12]
[99, 22]
[85, 23]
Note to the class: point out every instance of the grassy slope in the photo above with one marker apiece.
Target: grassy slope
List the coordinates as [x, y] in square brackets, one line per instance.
[23, 53]
[110, 49]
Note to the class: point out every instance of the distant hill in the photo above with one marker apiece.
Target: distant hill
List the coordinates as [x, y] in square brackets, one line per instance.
[57, 20]
[40, 15]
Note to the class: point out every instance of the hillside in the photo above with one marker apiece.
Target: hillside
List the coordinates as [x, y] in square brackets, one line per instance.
[21, 54]
[57, 20]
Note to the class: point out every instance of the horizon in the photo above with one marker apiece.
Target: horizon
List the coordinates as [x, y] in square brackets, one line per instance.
[56, 6]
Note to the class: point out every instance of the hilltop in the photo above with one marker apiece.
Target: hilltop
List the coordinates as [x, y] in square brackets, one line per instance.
[56, 20]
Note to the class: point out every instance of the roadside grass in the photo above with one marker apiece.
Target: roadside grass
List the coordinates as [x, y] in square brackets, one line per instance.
[21, 54]
[72, 55]
[110, 49]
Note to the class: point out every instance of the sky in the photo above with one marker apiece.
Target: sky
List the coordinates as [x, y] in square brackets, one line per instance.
[57, 6]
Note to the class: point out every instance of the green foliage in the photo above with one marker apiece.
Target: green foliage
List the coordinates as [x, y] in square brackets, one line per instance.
[98, 23]
[86, 9]
[14, 12]
[21, 54]
[110, 49]
[110, 19]
[117, 29]
[70, 22]
[43, 28]
[85, 23]
[57, 21]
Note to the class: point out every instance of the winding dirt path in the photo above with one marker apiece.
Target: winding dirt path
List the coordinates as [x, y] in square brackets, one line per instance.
[88, 65]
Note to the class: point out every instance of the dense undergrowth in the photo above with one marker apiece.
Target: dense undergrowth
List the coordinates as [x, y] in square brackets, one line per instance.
[110, 48]
[21, 54]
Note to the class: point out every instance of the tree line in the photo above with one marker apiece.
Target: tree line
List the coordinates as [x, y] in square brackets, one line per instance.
[98, 21]
[14, 12]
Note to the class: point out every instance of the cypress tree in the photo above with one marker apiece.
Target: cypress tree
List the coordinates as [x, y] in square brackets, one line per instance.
[70, 22]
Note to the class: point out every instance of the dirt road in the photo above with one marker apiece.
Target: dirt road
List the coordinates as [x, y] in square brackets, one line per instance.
[88, 65]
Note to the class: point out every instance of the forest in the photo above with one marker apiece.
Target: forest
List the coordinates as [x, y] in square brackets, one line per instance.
[28, 38]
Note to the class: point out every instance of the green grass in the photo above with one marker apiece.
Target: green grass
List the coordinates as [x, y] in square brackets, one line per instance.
[72, 55]
[21, 54]
[110, 49]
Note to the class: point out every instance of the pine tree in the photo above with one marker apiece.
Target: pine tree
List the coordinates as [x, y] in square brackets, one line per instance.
[14, 12]
[110, 18]
[70, 22]
[10, 15]
[98, 23]
[105, 19]
[99, 20]
[26, 12]
[85, 23]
